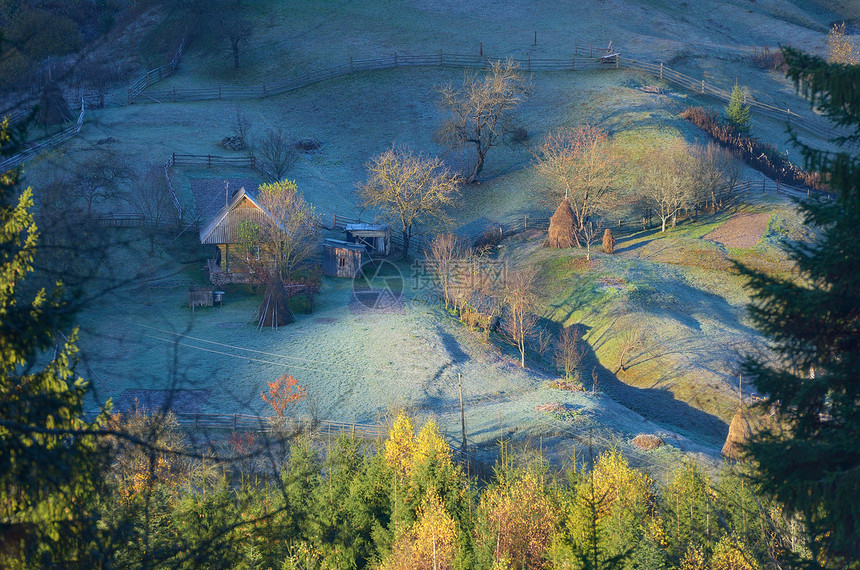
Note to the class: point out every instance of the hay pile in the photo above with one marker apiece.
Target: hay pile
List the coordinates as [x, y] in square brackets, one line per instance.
[561, 227]
[648, 441]
[274, 311]
[608, 242]
[739, 433]
[53, 108]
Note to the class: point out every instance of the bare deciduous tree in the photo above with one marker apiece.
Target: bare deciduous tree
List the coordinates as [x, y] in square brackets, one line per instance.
[520, 295]
[234, 29]
[98, 179]
[568, 353]
[479, 111]
[410, 188]
[630, 340]
[590, 234]
[444, 255]
[577, 164]
[291, 233]
[716, 172]
[669, 181]
[152, 200]
[277, 153]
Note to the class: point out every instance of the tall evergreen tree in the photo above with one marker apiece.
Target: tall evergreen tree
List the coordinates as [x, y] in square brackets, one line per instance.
[49, 472]
[811, 460]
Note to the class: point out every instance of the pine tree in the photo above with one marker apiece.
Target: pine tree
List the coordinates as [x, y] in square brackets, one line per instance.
[737, 111]
[50, 472]
[811, 462]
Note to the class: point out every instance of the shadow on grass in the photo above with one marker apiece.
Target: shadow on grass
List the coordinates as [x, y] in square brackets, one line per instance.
[656, 404]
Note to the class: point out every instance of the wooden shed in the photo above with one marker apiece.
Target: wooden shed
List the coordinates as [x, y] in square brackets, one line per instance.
[341, 258]
[375, 237]
[230, 264]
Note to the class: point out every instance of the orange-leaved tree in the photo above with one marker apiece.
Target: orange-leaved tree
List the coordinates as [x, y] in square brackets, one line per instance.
[283, 392]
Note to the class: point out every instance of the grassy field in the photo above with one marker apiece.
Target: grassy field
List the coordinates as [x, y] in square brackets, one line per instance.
[678, 289]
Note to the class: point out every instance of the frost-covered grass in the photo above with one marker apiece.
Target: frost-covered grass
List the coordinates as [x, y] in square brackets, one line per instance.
[678, 288]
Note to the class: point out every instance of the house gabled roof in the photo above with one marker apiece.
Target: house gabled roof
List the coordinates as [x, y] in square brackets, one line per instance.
[223, 227]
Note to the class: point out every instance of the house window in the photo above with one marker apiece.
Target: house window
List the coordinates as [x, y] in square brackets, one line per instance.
[342, 262]
[253, 251]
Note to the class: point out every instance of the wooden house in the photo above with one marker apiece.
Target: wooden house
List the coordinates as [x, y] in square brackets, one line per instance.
[375, 237]
[232, 264]
[341, 258]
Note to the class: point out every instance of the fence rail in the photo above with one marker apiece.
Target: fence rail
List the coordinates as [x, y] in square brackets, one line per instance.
[702, 87]
[54, 141]
[245, 422]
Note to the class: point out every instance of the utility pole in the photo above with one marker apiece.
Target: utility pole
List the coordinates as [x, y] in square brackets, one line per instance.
[462, 412]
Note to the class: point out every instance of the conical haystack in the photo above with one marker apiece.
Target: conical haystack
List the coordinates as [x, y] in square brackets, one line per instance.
[274, 311]
[561, 227]
[739, 433]
[53, 108]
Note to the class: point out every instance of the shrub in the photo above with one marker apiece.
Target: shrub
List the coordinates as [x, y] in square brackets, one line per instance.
[770, 60]
[764, 158]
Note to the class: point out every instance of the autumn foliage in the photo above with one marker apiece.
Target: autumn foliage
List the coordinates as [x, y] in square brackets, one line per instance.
[283, 392]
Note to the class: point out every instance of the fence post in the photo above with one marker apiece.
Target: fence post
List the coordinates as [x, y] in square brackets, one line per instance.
[208, 160]
[234, 422]
[440, 57]
[395, 59]
[174, 93]
[661, 71]
[219, 91]
[481, 49]
[350, 64]
[573, 62]
[703, 86]
[264, 88]
[777, 185]
[196, 418]
[173, 156]
[762, 184]
[526, 222]
[590, 50]
[535, 38]
[530, 63]
[617, 58]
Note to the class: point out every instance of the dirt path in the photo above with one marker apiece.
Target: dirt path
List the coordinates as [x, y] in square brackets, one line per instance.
[741, 231]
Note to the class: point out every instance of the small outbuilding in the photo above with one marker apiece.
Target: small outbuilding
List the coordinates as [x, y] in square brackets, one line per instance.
[341, 258]
[375, 237]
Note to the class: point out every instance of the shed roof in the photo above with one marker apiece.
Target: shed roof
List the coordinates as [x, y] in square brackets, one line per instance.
[365, 227]
[223, 227]
[329, 242]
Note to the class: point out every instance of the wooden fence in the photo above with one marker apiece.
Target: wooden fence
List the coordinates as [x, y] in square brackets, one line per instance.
[703, 87]
[245, 422]
[54, 141]
[585, 56]
[153, 76]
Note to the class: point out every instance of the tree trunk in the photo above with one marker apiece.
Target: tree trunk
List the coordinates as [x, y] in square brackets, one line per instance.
[663, 229]
[406, 238]
[479, 166]
[522, 347]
